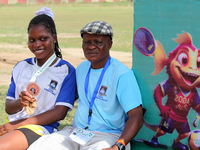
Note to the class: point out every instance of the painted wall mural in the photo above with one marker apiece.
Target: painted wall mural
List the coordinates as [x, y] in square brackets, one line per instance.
[166, 61]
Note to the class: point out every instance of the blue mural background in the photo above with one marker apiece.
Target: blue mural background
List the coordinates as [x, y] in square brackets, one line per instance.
[165, 19]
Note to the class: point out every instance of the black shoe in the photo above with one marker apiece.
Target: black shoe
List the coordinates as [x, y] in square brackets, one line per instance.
[179, 146]
[154, 141]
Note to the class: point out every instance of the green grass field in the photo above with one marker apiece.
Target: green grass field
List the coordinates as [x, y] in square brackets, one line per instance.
[69, 19]
[3, 91]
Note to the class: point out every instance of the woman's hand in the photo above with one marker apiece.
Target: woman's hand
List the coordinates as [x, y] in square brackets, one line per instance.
[14, 106]
[10, 126]
[25, 98]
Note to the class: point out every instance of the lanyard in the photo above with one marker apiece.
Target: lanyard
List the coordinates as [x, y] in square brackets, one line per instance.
[95, 90]
[43, 68]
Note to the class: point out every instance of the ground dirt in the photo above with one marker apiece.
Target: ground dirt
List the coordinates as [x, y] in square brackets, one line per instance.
[73, 55]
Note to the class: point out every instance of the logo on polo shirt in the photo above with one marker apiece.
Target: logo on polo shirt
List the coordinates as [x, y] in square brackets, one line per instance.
[52, 87]
[103, 90]
[53, 84]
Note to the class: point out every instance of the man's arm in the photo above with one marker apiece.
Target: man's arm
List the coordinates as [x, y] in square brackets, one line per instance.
[133, 125]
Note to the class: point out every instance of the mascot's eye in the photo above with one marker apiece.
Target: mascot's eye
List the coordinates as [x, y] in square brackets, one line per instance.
[198, 62]
[183, 59]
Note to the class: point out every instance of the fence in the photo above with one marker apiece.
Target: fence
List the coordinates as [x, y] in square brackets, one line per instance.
[46, 1]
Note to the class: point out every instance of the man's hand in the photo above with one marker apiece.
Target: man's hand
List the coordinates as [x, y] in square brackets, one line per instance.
[114, 147]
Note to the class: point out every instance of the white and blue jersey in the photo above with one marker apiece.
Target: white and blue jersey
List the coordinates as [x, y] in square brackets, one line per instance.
[57, 87]
[117, 94]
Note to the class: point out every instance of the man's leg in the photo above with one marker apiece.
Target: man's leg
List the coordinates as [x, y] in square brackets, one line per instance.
[56, 140]
[102, 140]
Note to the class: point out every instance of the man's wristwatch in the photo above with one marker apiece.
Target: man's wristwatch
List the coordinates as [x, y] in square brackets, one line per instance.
[120, 146]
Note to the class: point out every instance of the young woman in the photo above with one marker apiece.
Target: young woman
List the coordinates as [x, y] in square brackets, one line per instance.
[42, 88]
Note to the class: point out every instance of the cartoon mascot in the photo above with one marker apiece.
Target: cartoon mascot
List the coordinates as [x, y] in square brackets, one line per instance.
[183, 69]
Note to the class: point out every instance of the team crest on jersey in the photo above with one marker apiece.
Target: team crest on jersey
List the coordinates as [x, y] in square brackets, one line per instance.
[103, 90]
[175, 89]
[53, 84]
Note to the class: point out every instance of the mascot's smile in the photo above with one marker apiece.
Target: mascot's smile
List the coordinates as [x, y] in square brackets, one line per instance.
[189, 78]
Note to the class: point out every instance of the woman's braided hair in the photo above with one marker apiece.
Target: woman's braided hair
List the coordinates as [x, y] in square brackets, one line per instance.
[49, 24]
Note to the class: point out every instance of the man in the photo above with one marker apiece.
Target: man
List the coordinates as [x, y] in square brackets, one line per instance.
[109, 112]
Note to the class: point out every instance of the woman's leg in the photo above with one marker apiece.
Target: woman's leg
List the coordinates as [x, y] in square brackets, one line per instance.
[13, 140]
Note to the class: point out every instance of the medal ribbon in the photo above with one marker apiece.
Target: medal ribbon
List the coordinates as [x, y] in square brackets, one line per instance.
[95, 90]
[43, 68]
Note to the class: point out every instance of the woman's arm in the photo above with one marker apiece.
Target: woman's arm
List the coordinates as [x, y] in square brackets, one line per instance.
[48, 117]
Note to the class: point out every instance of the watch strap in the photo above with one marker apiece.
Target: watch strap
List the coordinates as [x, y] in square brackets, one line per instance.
[120, 145]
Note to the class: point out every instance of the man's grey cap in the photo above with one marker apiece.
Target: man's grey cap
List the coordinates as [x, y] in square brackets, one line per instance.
[97, 27]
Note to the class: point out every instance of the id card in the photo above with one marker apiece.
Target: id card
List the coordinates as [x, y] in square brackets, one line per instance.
[80, 136]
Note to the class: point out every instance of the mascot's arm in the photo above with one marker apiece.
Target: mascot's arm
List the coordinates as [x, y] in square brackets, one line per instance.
[158, 99]
[197, 109]
[197, 118]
